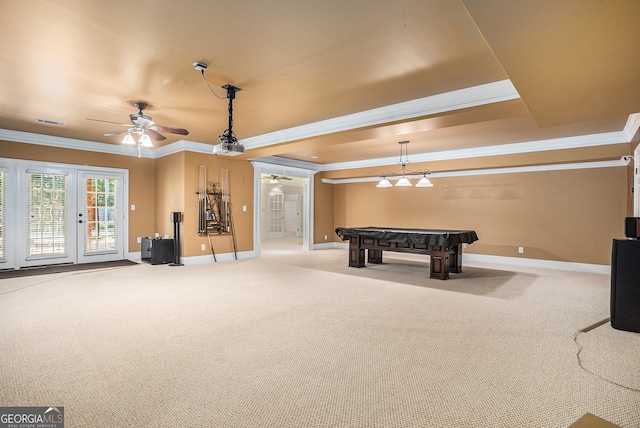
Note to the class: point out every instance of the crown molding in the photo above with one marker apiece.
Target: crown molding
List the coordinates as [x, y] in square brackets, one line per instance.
[94, 146]
[488, 93]
[632, 125]
[71, 143]
[286, 162]
[603, 139]
[183, 146]
[624, 161]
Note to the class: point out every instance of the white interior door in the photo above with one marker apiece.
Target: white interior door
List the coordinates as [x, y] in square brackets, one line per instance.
[100, 216]
[291, 214]
[276, 215]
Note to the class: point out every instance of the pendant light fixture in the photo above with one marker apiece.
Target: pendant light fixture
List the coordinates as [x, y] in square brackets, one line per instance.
[403, 181]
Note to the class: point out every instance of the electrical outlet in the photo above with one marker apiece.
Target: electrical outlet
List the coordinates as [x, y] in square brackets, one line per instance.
[521, 250]
[325, 237]
[139, 240]
[464, 245]
[203, 247]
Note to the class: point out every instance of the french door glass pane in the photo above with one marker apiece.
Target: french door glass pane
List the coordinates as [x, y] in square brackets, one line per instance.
[47, 207]
[101, 215]
[276, 213]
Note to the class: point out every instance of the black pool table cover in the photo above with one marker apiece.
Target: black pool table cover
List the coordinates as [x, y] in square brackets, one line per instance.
[410, 236]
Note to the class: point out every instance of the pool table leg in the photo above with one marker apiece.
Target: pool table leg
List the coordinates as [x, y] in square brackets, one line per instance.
[440, 262]
[356, 252]
[374, 256]
[455, 259]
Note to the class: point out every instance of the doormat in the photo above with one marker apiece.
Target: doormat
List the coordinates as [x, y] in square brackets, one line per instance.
[44, 270]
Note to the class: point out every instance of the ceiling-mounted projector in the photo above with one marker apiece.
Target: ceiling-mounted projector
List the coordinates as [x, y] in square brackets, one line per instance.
[229, 145]
[228, 149]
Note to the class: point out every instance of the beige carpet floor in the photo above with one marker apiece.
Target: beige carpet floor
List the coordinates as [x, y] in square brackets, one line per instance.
[298, 339]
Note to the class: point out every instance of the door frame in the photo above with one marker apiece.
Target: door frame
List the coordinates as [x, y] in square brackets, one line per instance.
[9, 185]
[119, 253]
[15, 233]
[260, 168]
[23, 259]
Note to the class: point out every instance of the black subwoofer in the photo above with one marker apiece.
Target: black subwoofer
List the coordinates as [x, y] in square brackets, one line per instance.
[625, 285]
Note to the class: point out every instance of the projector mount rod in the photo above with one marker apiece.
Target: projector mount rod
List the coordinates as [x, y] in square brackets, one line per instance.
[228, 134]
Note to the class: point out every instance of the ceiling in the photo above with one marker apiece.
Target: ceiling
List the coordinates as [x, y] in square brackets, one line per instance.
[323, 82]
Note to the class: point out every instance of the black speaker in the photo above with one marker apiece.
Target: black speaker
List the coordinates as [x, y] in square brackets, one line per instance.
[625, 285]
[632, 227]
[176, 219]
[157, 251]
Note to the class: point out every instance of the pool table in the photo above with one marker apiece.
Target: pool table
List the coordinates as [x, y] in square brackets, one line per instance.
[444, 246]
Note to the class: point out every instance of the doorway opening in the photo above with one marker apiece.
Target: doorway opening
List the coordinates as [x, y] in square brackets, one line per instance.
[282, 215]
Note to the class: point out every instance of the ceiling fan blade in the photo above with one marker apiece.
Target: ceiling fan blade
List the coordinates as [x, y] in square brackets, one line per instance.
[112, 133]
[155, 136]
[108, 121]
[171, 130]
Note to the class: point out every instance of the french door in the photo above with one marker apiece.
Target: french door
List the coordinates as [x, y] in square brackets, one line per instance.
[275, 214]
[60, 214]
[47, 222]
[100, 217]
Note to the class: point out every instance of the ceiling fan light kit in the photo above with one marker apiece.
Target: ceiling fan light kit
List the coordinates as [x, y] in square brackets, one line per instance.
[128, 139]
[403, 181]
[144, 127]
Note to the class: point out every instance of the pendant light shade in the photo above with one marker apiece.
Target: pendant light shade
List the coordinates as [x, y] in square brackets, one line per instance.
[424, 182]
[384, 183]
[403, 182]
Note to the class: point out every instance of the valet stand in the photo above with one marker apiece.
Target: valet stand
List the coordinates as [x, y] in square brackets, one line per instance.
[176, 218]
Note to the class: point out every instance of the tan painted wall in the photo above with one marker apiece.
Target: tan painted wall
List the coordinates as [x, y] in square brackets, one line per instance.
[170, 197]
[561, 215]
[241, 194]
[142, 187]
[323, 211]
[558, 215]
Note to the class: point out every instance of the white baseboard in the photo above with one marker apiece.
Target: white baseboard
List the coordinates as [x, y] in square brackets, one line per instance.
[199, 260]
[329, 245]
[537, 263]
[511, 261]
[473, 258]
[224, 257]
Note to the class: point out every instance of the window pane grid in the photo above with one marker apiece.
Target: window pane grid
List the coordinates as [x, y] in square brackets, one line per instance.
[47, 207]
[100, 208]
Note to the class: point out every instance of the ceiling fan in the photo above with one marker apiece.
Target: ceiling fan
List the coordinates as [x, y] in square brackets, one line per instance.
[144, 126]
[273, 179]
